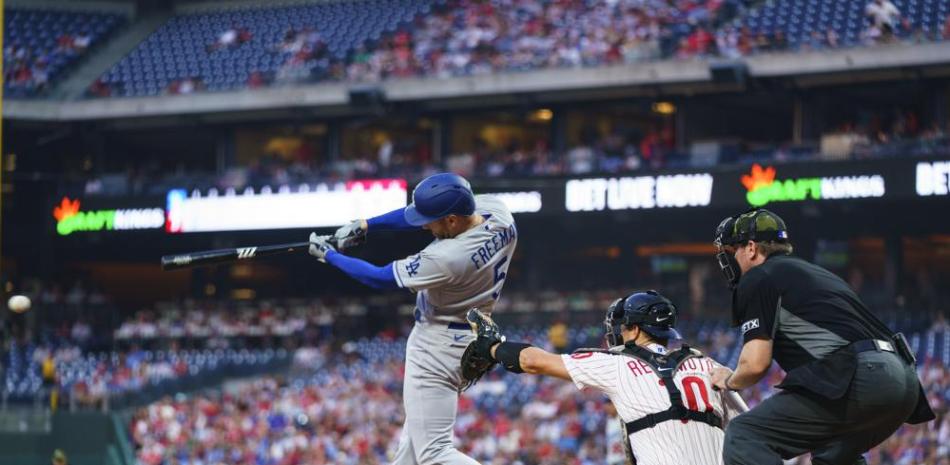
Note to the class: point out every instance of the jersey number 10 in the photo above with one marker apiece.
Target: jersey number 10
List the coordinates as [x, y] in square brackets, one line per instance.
[692, 385]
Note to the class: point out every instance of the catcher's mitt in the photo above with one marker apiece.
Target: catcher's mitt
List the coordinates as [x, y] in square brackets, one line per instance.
[477, 359]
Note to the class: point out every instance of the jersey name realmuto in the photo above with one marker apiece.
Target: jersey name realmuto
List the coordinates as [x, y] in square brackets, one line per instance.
[636, 391]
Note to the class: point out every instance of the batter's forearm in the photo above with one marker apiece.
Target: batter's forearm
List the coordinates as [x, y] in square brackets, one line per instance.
[377, 277]
[392, 221]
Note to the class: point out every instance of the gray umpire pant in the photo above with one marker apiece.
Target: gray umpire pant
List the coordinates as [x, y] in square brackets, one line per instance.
[882, 396]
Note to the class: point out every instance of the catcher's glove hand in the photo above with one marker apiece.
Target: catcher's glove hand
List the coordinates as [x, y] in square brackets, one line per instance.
[477, 359]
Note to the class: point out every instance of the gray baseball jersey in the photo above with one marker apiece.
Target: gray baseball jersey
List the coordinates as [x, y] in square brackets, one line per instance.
[449, 277]
[453, 275]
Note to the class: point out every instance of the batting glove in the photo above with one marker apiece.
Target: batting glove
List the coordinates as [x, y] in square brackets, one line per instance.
[350, 234]
[320, 246]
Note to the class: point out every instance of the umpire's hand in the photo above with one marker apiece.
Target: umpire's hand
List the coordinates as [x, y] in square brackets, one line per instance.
[320, 246]
[720, 376]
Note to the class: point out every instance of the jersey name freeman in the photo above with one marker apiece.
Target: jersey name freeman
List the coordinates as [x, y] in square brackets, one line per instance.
[491, 246]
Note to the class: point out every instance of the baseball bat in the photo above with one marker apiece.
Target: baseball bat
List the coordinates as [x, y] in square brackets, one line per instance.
[735, 400]
[208, 257]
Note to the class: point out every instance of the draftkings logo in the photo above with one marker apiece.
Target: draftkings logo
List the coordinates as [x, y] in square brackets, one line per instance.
[69, 218]
[763, 187]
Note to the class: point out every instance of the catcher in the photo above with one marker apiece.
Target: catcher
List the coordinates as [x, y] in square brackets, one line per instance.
[668, 409]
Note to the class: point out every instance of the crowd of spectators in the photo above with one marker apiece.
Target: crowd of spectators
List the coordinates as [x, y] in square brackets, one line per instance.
[40, 43]
[27, 70]
[215, 323]
[473, 38]
[340, 403]
[64, 374]
[186, 86]
[230, 39]
[72, 310]
[467, 37]
[219, 324]
[351, 414]
[300, 49]
[612, 153]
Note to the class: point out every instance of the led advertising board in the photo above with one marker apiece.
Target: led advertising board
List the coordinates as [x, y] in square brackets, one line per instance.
[933, 178]
[521, 202]
[763, 187]
[641, 192]
[328, 205]
[307, 207]
[70, 218]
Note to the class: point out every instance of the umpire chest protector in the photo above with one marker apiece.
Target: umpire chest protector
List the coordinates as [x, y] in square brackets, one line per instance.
[665, 366]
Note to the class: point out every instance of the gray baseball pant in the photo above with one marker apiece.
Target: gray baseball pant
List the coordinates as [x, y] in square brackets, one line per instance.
[430, 395]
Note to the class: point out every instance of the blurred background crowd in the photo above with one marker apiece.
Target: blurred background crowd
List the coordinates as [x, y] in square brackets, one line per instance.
[333, 392]
[133, 129]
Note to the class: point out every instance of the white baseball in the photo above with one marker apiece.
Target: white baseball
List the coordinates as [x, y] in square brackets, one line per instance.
[19, 303]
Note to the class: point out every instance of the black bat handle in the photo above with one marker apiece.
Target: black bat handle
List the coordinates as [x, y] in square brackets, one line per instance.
[209, 257]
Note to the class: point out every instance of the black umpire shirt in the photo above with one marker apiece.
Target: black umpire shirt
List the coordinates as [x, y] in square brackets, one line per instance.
[806, 310]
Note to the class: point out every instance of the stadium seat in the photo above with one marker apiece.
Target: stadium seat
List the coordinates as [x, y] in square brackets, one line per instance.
[183, 48]
[40, 46]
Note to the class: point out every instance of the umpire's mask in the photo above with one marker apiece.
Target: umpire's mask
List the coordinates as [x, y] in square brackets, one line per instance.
[725, 244]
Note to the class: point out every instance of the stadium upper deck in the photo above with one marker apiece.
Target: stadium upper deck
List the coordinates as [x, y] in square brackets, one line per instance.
[314, 53]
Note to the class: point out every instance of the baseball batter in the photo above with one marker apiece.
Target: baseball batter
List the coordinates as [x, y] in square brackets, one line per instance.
[464, 267]
[683, 425]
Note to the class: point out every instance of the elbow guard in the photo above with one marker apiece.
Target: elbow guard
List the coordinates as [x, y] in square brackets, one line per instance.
[509, 355]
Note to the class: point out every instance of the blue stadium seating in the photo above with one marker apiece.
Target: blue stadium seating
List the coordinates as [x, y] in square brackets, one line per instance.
[22, 378]
[37, 31]
[799, 18]
[179, 49]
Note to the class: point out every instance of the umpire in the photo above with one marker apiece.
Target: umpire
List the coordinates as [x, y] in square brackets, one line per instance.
[850, 383]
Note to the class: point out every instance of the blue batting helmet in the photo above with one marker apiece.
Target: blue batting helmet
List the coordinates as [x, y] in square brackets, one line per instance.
[650, 311]
[438, 196]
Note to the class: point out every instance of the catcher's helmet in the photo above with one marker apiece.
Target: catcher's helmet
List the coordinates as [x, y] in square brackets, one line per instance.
[650, 311]
[438, 196]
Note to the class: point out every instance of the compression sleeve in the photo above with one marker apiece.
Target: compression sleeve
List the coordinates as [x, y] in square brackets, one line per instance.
[377, 277]
[394, 220]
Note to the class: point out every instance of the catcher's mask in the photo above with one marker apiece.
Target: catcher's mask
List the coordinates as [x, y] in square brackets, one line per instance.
[650, 311]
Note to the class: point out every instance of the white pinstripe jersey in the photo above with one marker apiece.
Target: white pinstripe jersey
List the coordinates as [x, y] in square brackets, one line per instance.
[636, 391]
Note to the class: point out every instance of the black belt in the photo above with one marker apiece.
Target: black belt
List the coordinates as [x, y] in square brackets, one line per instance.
[868, 345]
[452, 325]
